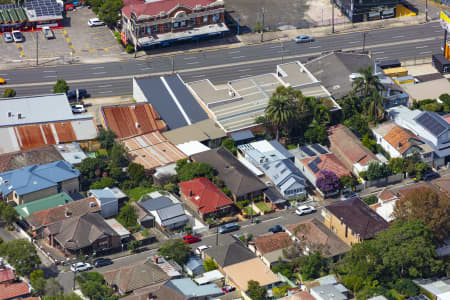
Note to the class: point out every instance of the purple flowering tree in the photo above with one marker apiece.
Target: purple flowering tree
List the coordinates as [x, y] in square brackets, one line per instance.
[328, 182]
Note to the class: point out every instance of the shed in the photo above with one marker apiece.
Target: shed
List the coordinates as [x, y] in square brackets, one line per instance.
[194, 266]
[118, 228]
[211, 276]
[441, 63]
[108, 200]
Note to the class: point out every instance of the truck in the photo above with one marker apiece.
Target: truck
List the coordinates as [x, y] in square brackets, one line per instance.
[48, 33]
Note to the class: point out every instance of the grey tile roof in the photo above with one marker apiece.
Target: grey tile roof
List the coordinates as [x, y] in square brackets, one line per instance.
[283, 172]
[156, 203]
[227, 255]
[172, 214]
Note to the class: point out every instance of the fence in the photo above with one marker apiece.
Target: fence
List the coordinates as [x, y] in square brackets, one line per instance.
[415, 61]
[385, 181]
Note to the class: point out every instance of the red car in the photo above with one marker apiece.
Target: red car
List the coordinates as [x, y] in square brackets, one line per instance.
[190, 239]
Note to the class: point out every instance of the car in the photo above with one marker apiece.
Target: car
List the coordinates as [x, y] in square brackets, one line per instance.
[101, 262]
[76, 109]
[190, 239]
[77, 94]
[304, 209]
[7, 36]
[80, 267]
[276, 228]
[201, 248]
[95, 22]
[228, 228]
[2, 81]
[430, 176]
[304, 39]
[228, 288]
[17, 36]
[348, 195]
[48, 33]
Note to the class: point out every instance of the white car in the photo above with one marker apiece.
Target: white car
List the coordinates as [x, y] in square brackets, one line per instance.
[17, 36]
[7, 36]
[78, 109]
[95, 22]
[80, 267]
[304, 209]
[200, 249]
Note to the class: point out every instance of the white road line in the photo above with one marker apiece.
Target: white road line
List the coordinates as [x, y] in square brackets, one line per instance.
[3, 74]
[354, 42]
[49, 71]
[420, 47]
[425, 52]
[382, 57]
[50, 76]
[315, 47]
[234, 52]
[243, 70]
[143, 69]
[438, 31]
[97, 68]
[237, 57]
[98, 73]
[398, 36]
[103, 86]
[105, 92]
[244, 76]
[381, 52]
[197, 76]
[193, 63]
[279, 46]
[186, 58]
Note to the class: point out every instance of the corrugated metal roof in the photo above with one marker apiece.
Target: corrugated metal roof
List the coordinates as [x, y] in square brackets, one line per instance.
[27, 209]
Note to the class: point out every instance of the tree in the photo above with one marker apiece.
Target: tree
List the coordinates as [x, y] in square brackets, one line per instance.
[190, 170]
[375, 108]
[109, 12]
[316, 133]
[398, 165]
[134, 245]
[313, 266]
[280, 109]
[106, 138]
[136, 172]
[328, 182]
[210, 264]
[127, 216]
[427, 205]
[38, 282]
[92, 167]
[280, 291]
[53, 288]
[372, 199]
[93, 286]
[71, 296]
[8, 93]
[348, 181]
[9, 214]
[369, 143]
[367, 82]
[103, 183]
[322, 115]
[229, 144]
[22, 255]
[421, 168]
[118, 155]
[175, 249]
[255, 291]
[60, 86]
[359, 124]
[378, 170]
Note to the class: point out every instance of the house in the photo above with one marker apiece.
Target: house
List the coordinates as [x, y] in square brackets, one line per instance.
[254, 269]
[135, 277]
[121, 231]
[36, 156]
[303, 295]
[264, 151]
[169, 96]
[152, 150]
[242, 137]
[312, 235]
[429, 126]
[385, 205]
[192, 147]
[167, 214]
[71, 152]
[211, 276]
[242, 183]
[6, 275]
[191, 290]
[401, 142]
[38, 219]
[108, 199]
[206, 132]
[163, 22]
[132, 119]
[157, 292]
[34, 121]
[36, 182]
[10, 291]
[287, 178]
[87, 233]
[269, 247]
[144, 218]
[438, 288]
[330, 292]
[349, 149]
[230, 254]
[353, 221]
[194, 266]
[204, 198]
[431, 89]
[27, 209]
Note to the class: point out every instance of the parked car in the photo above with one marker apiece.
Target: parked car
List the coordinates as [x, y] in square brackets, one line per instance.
[77, 94]
[7, 36]
[77, 109]
[201, 248]
[228, 288]
[276, 228]
[48, 33]
[101, 262]
[228, 228]
[304, 209]
[95, 22]
[17, 36]
[304, 39]
[430, 176]
[190, 239]
[2, 81]
[348, 195]
[80, 267]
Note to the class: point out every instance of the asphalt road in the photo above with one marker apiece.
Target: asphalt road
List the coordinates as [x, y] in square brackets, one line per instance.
[111, 79]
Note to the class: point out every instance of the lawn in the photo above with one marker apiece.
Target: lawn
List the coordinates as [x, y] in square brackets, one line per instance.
[136, 193]
[249, 211]
[262, 206]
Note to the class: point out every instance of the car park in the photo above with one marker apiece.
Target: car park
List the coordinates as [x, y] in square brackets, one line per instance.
[95, 22]
[77, 94]
[17, 36]
[101, 262]
[276, 228]
[304, 39]
[77, 109]
[190, 239]
[230, 227]
[7, 36]
[80, 267]
[201, 248]
[304, 209]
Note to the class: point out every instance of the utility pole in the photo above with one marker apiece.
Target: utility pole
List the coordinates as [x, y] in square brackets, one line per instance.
[239, 25]
[262, 25]
[364, 41]
[135, 38]
[282, 52]
[217, 235]
[173, 64]
[426, 11]
[332, 16]
[37, 48]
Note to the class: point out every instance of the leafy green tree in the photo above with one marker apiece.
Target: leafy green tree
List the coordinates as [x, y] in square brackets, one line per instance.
[378, 170]
[103, 183]
[367, 82]
[322, 115]
[369, 143]
[255, 291]
[316, 134]
[53, 288]
[117, 174]
[92, 167]
[313, 266]
[136, 172]
[109, 12]
[118, 155]
[348, 181]
[280, 291]
[175, 249]
[93, 286]
[398, 165]
[61, 86]
[9, 93]
[106, 138]
[71, 296]
[190, 170]
[22, 255]
[171, 187]
[210, 264]
[375, 108]
[407, 287]
[372, 199]
[134, 245]
[229, 144]
[280, 109]
[421, 168]
[9, 214]
[38, 282]
[127, 216]
[359, 124]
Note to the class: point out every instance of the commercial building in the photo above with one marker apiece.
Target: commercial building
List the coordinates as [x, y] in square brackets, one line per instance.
[36, 156]
[367, 10]
[206, 132]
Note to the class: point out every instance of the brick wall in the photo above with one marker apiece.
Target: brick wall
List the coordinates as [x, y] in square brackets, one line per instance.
[339, 228]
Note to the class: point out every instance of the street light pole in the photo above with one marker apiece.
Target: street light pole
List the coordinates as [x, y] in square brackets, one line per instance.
[262, 25]
[364, 41]
[426, 11]
[37, 48]
[74, 276]
[332, 16]
[173, 64]
[217, 235]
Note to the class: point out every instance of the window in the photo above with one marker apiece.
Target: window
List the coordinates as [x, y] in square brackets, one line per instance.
[176, 25]
[205, 19]
[154, 29]
[167, 27]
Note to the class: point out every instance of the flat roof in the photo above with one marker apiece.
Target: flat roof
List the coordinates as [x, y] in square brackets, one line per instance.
[209, 93]
[295, 74]
[428, 90]
[192, 147]
[201, 131]
[118, 228]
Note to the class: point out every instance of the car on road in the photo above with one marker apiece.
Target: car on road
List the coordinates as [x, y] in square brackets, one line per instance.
[77, 109]
[276, 228]
[304, 209]
[201, 248]
[348, 195]
[101, 262]
[190, 239]
[2, 81]
[430, 176]
[48, 33]
[17, 36]
[7, 36]
[95, 22]
[80, 267]
[77, 94]
[230, 227]
[304, 39]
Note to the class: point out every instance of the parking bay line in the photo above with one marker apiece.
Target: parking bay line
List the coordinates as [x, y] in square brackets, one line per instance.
[237, 57]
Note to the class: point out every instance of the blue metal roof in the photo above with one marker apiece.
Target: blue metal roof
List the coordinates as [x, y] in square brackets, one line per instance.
[432, 122]
[194, 262]
[155, 204]
[280, 148]
[188, 287]
[104, 196]
[242, 136]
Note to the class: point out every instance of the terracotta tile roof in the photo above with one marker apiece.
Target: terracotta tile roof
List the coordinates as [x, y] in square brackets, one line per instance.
[348, 147]
[304, 295]
[318, 237]
[55, 214]
[131, 120]
[140, 8]
[359, 217]
[375, 206]
[38, 156]
[204, 194]
[152, 150]
[399, 138]
[13, 290]
[329, 162]
[271, 242]
[6, 275]
[386, 195]
[447, 118]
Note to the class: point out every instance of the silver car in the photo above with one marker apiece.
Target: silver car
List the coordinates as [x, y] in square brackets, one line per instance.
[17, 36]
[80, 267]
[7, 36]
[304, 39]
[304, 209]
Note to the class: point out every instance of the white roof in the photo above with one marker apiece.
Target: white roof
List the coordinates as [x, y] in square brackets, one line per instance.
[250, 166]
[192, 147]
[208, 277]
[118, 228]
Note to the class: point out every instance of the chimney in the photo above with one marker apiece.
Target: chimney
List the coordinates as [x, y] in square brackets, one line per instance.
[19, 116]
[68, 213]
[191, 193]
[91, 204]
[399, 144]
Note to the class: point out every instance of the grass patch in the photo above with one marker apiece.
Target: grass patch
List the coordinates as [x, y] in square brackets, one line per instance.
[262, 206]
[136, 193]
[249, 211]
[291, 146]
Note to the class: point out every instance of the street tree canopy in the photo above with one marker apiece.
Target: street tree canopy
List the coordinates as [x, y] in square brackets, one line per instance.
[176, 250]
[61, 86]
[255, 291]
[190, 170]
[22, 255]
[109, 12]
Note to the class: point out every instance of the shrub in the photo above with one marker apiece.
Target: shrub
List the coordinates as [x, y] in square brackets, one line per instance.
[372, 199]
[129, 49]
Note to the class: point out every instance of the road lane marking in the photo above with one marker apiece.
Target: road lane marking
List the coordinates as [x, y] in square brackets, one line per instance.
[279, 46]
[3, 74]
[232, 52]
[186, 58]
[50, 76]
[425, 52]
[49, 71]
[439, 31]
[237, 57]
[243, 70]
[98, 73]
[420, 47]
[193, 63]
[398, 36]
[197, 76]
[244, 76]
[382, 57]
[103, 86]
[105, 92]
[97, 68]
[143, 69]
[380, 52]
[354, 42]
[315, 47]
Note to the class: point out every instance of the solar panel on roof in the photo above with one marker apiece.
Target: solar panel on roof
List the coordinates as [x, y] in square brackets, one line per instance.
[419, 297]
[307, 151]
[313, 167]
[317, 160]
[430, 124]
[319, 149]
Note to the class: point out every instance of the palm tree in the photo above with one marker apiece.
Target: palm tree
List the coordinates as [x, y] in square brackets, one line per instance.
[366, 82]
[280, 110]
[375, 109]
